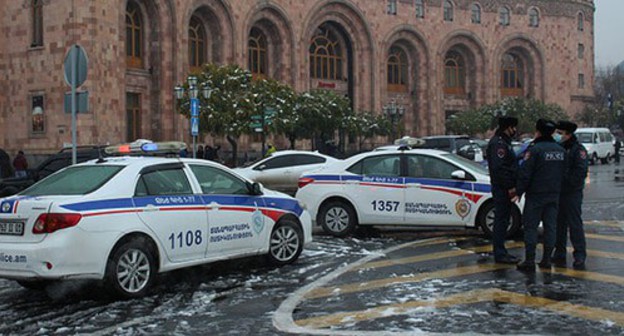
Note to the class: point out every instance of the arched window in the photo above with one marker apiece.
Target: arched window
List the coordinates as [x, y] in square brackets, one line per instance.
[512, 76]
[397, 70]
[197, 44]
[476, 13]
[580, 22]
[326, 57]
[454, 73]
[37, 23]
[504, 16]
[448, 10]
[257, 51]
[420, 9]
[134, 36]
[533, 17]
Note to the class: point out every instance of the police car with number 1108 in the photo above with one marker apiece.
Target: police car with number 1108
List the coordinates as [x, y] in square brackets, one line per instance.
[123, 219]
[417, 187]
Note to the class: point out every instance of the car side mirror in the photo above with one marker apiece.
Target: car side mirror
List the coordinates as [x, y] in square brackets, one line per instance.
[254, 188]
[458, 175]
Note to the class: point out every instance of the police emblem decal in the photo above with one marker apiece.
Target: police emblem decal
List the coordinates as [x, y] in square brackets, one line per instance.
[258, 221]
[583, 154]
[462, 207]
[501, 153]
[527, 155]
[6, 207]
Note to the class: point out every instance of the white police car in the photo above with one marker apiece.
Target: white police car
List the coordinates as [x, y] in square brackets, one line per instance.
[420, 187]
[124, 219]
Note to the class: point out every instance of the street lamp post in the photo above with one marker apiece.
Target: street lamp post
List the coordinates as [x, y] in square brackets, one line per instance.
[395, 112]
[193, 92]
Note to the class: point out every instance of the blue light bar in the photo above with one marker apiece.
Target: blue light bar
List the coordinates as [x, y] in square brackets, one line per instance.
[149, 147]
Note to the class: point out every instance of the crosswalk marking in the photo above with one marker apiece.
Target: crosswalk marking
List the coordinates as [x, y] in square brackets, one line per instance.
[470, 297]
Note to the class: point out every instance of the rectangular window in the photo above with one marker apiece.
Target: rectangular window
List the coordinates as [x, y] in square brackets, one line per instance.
[37, 24]
[133, 116]
[581, 81]
[581, 51]
[36, 110]
[392, 7]
[420, 9]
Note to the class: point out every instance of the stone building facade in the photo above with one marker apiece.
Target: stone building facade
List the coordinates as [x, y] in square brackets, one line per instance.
[432, 57]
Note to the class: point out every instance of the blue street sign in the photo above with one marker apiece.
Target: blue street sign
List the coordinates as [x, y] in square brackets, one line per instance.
[194, 126]
[194, 107]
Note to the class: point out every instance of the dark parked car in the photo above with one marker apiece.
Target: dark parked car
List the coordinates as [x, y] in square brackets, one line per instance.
[457, 144]
[58, 161]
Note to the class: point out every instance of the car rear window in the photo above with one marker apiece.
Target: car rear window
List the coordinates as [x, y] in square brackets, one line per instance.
[584, 137]
[77, 180]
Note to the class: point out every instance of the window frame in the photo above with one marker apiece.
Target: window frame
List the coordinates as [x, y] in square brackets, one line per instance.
[37, 23]
[243, 184]
[197, 43]
[257, 56]
[512, 78]
[419, 9]
[397, 70]
[580, 21]
[330, 64]
[134, 14]
[360, 165]
[475, 13]
[457, 73]
[448, 11]
[504, 16]
[158, 170]
[534, 17]
[392, 7]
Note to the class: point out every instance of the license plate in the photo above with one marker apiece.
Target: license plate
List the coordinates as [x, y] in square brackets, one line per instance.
[11, 228]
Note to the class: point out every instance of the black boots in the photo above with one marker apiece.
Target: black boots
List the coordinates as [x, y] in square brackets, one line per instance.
[545, 263]
[528, 265]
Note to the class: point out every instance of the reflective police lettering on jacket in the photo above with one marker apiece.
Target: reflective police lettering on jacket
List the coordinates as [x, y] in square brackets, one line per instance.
[543, 168]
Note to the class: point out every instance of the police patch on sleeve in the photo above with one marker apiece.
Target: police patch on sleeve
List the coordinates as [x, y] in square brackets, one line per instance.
[527, 155]
[583, 154]
[501, 152]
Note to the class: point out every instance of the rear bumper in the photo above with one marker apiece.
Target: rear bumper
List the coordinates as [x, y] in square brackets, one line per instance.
[65, 254]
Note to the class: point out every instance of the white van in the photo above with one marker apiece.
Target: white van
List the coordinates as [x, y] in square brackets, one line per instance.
[598, 142]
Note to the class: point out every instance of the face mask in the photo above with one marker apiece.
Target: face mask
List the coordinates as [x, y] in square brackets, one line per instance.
[557, 137]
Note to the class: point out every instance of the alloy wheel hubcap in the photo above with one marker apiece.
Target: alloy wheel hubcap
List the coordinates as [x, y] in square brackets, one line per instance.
[133, 271]
[284, 243]
[337, 219]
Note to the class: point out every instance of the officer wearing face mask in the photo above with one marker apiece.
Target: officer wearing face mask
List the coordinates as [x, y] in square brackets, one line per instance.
[540, 177]
[503, 167]
[571, 198]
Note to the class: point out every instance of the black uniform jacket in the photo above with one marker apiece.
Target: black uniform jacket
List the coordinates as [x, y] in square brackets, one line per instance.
[576, 167]
[502, 161]
[543, 168]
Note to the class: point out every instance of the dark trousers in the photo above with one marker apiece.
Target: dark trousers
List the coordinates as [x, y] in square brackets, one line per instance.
[539, 207]
[569, 218]
[502, 212]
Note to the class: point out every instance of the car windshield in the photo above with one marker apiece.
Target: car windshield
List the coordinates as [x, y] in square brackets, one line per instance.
[465, 162]
[78, 180]
[584, 137]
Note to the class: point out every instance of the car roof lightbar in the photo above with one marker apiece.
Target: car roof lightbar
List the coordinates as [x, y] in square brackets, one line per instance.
[408, 142]
[146, 148]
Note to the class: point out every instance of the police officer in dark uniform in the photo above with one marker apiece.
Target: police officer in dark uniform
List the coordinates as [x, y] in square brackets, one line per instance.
[540, 177]
[571, 198]
[503, 167]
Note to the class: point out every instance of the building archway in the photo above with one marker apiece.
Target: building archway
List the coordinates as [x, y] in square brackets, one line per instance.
[216, 21]
[271, 22]
[518, 69]
[412, 95]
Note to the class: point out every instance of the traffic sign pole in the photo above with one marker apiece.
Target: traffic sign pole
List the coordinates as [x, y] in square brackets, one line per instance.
[74, 76]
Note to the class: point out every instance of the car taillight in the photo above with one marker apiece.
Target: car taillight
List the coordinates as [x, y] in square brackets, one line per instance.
[304, 181]
[50, 222]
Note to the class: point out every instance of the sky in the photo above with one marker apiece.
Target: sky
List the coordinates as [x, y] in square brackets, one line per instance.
[609, 34]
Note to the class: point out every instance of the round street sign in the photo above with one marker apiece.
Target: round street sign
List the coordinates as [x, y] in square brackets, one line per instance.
[77, 53]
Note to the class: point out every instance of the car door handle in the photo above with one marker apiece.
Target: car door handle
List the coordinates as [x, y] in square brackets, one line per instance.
[213, 206]
[352, 182]
[150, 208]
[413, 185]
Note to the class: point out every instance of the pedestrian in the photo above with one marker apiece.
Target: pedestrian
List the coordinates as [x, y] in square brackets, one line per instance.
[20, 164]
[617, 146]
[200, 152]
[540, 177]
[270, 150]
[571, 198]
[503, 167]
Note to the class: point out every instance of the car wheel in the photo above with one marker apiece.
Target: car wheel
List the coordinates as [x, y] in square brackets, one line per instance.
[34, 285]
[594, 159]
[337, 218]
[606, 159]
[485, 220]
[131, 269]
[286, 243]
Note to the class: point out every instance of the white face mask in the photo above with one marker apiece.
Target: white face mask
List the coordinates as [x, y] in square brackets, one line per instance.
[558, 138]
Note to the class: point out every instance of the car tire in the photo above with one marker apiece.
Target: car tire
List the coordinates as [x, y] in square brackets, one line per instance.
[131, 269]
[606, 159]
[34, 285]
[337, 218]
[485, 220]
[594, 159]
[285, 243]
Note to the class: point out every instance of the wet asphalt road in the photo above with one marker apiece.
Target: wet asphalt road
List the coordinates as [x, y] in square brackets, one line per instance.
[431, 281]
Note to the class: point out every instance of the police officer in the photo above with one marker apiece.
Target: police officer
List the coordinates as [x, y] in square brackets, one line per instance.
[571, 198]
[503, 167]
[540, 177]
